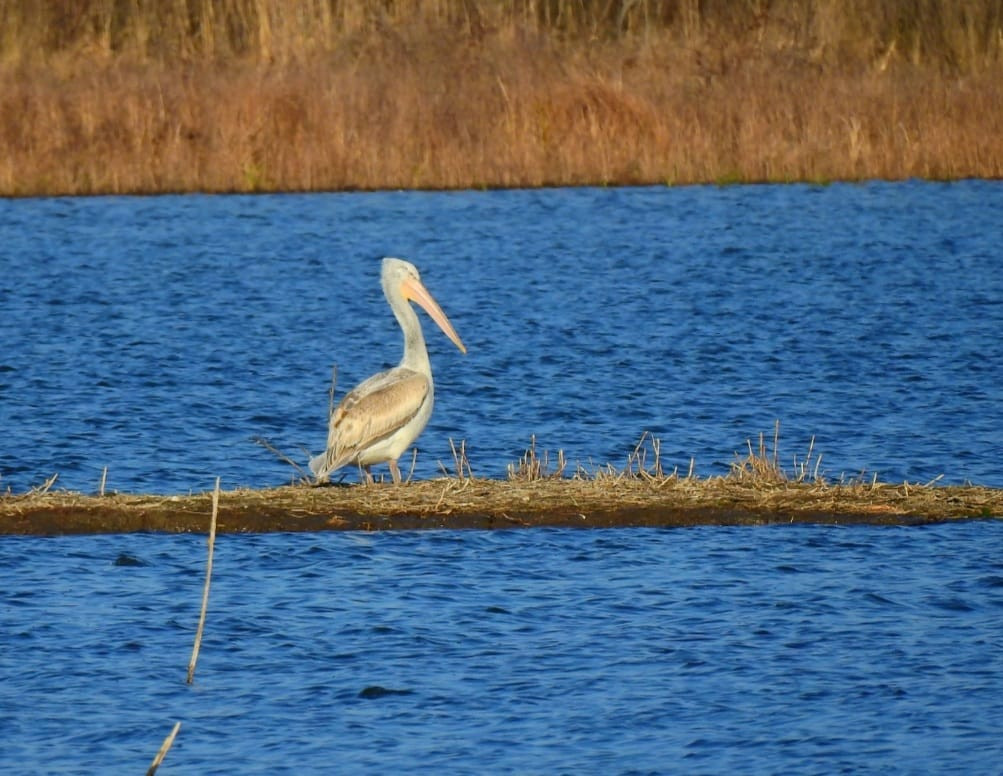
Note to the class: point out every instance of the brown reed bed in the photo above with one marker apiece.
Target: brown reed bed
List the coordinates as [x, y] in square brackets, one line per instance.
[540, 491]
[242, 95]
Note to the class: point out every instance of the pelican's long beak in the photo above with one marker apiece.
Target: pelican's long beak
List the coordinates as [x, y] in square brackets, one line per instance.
[414, 290]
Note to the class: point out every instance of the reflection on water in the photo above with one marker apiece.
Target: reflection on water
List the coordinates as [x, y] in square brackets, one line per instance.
[159, 336]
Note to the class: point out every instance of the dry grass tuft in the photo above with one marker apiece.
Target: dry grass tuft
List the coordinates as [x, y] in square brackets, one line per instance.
[461, 464]
[763, 466]
[643, 462]
[639, 464]
[37, 490]
[532, 467]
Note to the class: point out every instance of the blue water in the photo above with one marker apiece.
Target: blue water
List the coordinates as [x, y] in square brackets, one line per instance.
[784, 649]
[160, 336]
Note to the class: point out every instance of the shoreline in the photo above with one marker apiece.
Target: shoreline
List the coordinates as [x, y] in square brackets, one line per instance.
[378, 105]
[454, 503]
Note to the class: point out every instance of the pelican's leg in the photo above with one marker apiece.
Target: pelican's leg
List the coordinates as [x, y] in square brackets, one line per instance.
[367, 474]
[395, 472]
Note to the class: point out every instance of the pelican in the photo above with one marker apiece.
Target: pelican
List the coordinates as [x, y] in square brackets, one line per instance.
[379, 419]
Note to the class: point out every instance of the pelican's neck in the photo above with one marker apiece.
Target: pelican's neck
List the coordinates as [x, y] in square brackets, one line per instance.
[415, 353]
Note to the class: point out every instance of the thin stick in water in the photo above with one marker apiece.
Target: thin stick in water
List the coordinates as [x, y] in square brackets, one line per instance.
[414, 460]
[205, 590]
[282, 456]
[164, 747]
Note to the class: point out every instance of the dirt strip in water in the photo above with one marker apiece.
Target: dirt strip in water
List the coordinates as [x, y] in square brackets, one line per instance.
[493, 504]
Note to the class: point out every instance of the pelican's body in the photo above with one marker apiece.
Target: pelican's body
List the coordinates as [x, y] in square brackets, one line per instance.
[381, 417]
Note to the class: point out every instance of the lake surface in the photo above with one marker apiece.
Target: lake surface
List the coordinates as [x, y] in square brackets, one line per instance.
[159, 336]
[783, 649]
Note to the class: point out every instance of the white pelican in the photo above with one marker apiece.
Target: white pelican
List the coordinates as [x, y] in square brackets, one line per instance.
[379, 419]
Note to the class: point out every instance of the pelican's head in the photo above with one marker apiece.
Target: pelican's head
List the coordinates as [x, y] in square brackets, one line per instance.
[400, 279]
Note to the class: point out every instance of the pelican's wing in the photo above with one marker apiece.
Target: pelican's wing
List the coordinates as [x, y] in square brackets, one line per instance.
[372, 411]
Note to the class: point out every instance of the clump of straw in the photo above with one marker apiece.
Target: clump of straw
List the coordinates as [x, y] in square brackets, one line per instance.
[763, 466]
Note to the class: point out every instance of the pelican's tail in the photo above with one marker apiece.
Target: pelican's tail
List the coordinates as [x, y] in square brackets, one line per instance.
[329, 461]
[317, 466]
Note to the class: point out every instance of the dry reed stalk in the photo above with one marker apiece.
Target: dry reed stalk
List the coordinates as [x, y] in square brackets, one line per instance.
[414, 462]
[304, 475]
[164, 748]
[561, 465]
[45, 487]
[531, 467]
[205, 589]
[528, 467]
[637, 461]
[802, 468]
[460, 461]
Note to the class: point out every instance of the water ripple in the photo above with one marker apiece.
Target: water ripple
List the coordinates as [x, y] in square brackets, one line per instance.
[807, 648]
[866, 315]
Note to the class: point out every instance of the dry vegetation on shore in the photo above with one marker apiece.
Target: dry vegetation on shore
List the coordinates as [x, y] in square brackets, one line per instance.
[243, 95]
[540, 491]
